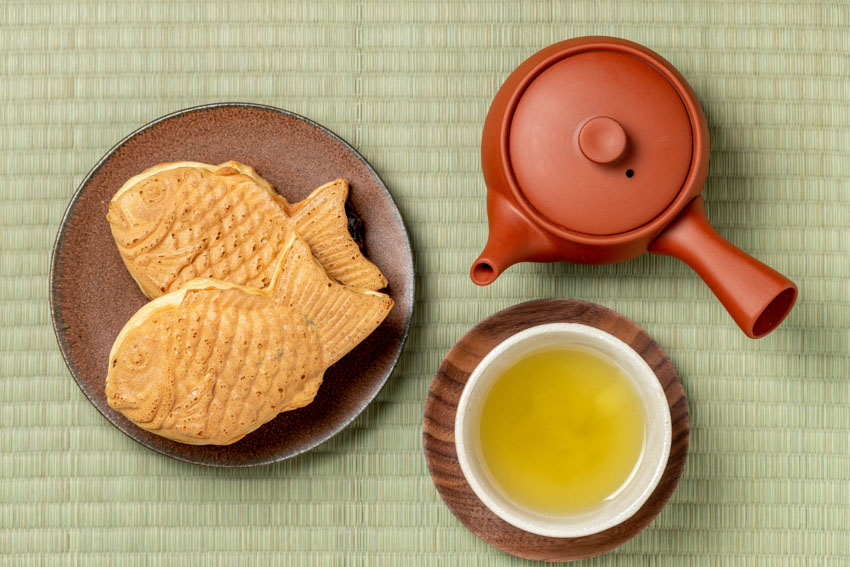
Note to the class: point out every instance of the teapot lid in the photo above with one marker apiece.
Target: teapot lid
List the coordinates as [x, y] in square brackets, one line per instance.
[600, 142]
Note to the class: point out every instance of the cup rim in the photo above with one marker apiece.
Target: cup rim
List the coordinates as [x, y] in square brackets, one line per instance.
[646, 382]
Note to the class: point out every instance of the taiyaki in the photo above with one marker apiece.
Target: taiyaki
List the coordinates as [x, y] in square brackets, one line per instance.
[213, 361]
[179, 221]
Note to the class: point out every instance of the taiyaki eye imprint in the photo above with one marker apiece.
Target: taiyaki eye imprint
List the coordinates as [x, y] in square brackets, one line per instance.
[213, 361]
[176, 222]
[143, 210]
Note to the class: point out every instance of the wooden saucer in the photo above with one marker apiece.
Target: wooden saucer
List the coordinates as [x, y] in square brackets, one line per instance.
[441, 406]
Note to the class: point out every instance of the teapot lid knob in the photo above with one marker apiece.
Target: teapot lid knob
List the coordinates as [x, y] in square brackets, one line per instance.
[602, 140]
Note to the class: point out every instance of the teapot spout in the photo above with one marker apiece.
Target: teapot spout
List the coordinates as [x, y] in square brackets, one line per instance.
[494, 260]
[512, 239]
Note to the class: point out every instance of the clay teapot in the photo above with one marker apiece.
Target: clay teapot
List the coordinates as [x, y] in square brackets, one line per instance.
[594, 151]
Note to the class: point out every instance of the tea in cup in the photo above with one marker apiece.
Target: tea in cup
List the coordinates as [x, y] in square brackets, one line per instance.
[563, 430]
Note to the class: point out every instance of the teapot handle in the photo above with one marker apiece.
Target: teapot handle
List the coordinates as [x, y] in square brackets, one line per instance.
[756, 296]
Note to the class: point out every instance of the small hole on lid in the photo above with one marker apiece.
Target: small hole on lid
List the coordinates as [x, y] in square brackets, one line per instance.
[630, 173]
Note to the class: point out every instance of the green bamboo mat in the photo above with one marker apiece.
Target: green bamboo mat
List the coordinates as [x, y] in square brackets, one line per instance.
[408, 83]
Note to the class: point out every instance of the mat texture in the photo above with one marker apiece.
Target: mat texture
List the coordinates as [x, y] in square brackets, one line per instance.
[408, 83]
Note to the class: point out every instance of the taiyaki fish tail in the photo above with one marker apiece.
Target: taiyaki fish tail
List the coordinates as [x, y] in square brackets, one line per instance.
[344, 315]
[321, 221]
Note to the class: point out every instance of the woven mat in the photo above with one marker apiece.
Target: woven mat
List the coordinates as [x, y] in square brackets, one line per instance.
[409, 83]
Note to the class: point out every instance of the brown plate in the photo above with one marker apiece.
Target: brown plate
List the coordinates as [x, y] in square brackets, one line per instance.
[92, 294]
[439, 434]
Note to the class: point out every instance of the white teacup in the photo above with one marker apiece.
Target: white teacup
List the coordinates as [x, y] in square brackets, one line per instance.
[637, 488]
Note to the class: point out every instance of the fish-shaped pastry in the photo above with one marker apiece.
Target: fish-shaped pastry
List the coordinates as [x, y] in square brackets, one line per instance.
[213, 361]
[176, 222]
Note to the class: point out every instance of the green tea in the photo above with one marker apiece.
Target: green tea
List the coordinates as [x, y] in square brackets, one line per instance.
[562, 430]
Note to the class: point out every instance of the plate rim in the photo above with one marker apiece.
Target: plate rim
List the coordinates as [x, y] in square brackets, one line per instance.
[56, 316]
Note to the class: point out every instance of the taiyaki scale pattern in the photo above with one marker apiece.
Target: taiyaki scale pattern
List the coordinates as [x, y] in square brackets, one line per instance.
[213, 361]
[179, 221]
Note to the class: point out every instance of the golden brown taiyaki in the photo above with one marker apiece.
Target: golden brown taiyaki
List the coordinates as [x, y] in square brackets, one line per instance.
[179, 221]
[213, 361]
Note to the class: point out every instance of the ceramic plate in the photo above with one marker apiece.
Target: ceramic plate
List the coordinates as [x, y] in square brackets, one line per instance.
[92, 294]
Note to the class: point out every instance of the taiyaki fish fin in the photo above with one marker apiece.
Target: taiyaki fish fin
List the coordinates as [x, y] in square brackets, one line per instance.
[321, 221]
[161, 269]
[225, 168]
[153, 170]
[344, 315]
[249, 171]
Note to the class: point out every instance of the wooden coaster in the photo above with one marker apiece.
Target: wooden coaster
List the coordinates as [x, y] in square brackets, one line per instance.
[441, 406]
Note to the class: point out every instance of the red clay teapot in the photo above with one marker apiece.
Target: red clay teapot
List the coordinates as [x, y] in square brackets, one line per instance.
[594, 151]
